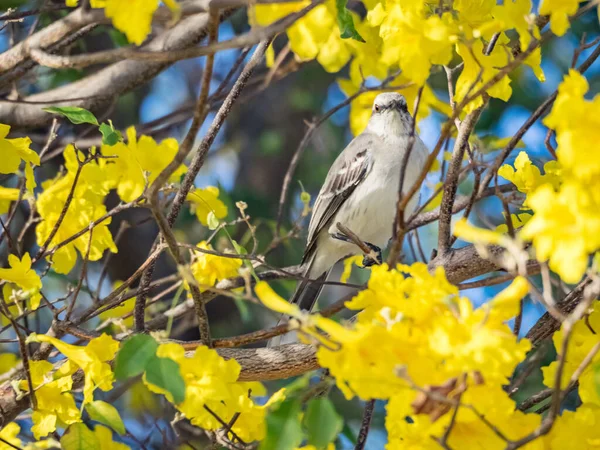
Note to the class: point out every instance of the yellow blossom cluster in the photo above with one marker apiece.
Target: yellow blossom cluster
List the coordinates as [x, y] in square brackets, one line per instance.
[126, 167]
[55, 403]
[213, 392]
[138, 162]
[10, 440]
[415, 334]
[565, 200]
[586, 418]
[85, 207]
[413, 36]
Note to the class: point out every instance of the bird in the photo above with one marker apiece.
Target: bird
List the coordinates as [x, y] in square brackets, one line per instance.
[360, 192]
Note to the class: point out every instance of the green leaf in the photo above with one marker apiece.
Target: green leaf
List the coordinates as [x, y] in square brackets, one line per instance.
[165, 373]
[238, 248]
[346, 23]
[118, 38]
[110, 136]
[75, 114]
[284, 431]
[79, 437]
[213, 222]
[134, 355]
[106, 414]
[322, 422]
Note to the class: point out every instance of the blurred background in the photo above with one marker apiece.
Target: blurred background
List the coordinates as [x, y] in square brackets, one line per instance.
[248, 162]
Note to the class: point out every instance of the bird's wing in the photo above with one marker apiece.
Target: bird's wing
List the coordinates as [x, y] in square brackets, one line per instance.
[347, 172]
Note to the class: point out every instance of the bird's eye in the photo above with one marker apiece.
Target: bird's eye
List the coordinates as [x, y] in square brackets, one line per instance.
[377, 108]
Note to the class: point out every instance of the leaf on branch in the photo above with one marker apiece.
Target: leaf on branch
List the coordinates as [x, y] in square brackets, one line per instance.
[134, 355]
[75, 114]
[79, 437]
[346, 23]
[110, 136]
[322, 422]
[106, 414]
[165, 373]
[284, 431]
[213, 222]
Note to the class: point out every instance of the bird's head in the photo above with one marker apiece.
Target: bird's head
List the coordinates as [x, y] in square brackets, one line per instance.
[390, 116]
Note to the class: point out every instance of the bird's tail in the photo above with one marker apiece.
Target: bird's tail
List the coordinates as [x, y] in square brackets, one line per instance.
[305, 296]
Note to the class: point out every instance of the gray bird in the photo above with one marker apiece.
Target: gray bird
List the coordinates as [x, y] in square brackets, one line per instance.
[361, 192]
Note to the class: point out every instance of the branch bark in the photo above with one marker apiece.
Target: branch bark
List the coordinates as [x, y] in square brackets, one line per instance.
[101, 88]
[451, 185]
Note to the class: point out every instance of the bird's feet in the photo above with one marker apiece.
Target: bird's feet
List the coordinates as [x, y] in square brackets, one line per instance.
[368, 260]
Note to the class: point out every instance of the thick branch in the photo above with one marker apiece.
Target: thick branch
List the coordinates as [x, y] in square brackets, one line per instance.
[547, 325]
[101, 88]
[258, 364]
[48, 36]
[451, 185]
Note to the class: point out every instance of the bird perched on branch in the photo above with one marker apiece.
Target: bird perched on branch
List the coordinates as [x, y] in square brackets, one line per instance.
[361, 192]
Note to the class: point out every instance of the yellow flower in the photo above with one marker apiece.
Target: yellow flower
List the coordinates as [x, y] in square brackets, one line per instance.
[211, 381]
[583, 338]
[316, 35]
[527, 177]
[139, 162]
[274, 302]
[7, 195]
[105, 441]
[517, 220]
[576, 429]
[467, 232]
[25, 277]
[134, 17]
[10, 435]
[92, 359]
[15, 150]
[117, 313]
[559, 12]
[418, 324]
[87, 206]
[565, 227]
[54, 400]
[7, 362]
[348, 263]
[468, 430]
[517, 14]
[473, 14]
[208, 269]
[505, 305]
[415, 41]
[206, 200]
[475, 61]
[577, 126]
